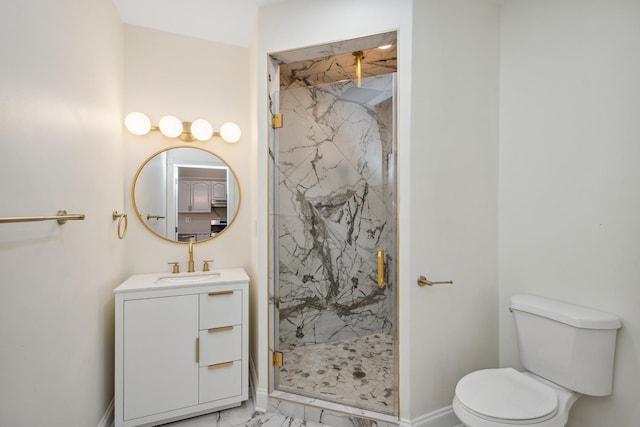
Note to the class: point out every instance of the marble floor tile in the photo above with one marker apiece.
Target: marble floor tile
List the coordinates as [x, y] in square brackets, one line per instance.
[357, 372]
[244, 416]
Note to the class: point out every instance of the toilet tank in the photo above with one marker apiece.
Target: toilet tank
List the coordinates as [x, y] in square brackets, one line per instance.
[569, 345]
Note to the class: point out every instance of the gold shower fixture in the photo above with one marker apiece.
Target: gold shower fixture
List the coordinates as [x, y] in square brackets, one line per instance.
[359, 57]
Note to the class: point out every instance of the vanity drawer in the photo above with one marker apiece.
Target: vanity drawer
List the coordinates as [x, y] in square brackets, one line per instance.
[219, 345]
[220, 309]
[220, 381]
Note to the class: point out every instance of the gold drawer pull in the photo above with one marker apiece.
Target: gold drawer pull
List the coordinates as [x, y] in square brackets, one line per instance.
[197, 350]
[213, 294]
[222, 329]
[220, 365]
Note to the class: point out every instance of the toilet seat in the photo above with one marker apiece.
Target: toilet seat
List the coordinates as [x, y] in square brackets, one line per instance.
[506, 396]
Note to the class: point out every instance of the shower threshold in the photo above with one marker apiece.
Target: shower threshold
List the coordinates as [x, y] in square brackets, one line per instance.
[314, 410]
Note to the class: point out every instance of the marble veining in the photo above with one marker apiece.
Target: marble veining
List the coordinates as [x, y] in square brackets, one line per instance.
[336, 48]
[335, 209]
[315, 71]
[245, 416]
[332, 166]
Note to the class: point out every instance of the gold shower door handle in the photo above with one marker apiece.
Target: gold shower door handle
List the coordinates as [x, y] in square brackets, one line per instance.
[381, 268]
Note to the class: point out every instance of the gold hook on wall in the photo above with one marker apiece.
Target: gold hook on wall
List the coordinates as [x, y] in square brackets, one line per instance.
[122, 231]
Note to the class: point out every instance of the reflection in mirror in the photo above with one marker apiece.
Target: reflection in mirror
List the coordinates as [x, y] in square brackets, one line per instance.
[185, 194]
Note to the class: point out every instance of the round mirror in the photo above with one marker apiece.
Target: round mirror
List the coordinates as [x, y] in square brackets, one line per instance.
[185, 195]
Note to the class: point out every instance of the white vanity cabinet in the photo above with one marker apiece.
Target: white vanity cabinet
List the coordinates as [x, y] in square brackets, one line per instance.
[181, 345]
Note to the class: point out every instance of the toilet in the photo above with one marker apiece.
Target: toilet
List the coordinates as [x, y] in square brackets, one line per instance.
[566, 351]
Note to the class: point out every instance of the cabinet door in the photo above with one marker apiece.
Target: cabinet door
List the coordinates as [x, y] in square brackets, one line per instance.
[160, 367]
[200, 197]
[218, 190]
[184, 196]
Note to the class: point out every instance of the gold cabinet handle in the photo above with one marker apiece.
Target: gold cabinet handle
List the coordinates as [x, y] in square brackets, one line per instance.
[221, 329]
[197, 350]
[213, 294]
[220, 365]
[381, 268]
[424, 281]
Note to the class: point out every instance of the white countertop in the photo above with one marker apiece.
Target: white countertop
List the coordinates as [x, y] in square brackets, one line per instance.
[157, 281]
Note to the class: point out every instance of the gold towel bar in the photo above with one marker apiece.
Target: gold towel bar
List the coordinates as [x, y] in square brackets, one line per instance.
[62, 217]
[149, 216]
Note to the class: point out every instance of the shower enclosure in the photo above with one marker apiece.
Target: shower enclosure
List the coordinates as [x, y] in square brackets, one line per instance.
[333, 242]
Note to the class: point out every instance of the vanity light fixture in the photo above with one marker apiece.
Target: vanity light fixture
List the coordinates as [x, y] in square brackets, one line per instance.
[173, 127]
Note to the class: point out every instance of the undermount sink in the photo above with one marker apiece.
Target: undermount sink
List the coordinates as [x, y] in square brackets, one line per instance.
[189, 279]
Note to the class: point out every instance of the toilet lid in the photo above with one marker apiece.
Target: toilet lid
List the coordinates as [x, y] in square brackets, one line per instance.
[506, 394]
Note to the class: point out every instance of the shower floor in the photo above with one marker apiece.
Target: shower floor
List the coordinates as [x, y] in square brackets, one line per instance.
[357, 372]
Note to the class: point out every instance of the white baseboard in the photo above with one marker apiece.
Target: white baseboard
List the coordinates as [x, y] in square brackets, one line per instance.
[260, 396]
[261, 403]
[107, 418]
[443, 417]
[253, 378]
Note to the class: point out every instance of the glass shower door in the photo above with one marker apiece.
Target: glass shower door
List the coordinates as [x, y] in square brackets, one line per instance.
[334, 242]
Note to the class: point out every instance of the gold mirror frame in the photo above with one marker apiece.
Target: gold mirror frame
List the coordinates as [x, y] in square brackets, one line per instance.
[151, 157]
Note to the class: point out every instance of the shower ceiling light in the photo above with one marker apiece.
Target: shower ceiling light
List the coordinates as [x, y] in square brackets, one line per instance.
[385, 46]
[172, 127]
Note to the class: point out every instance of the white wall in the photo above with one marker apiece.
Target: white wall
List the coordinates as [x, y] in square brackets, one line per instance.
[189, 78]
[454, 198]
[569, 156]
[60, 148]
[448, 147]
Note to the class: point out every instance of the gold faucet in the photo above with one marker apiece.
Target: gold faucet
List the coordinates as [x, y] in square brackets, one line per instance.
[190, 268]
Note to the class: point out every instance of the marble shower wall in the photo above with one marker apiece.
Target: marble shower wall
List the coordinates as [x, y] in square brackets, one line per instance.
[335, 207]
[338, 67]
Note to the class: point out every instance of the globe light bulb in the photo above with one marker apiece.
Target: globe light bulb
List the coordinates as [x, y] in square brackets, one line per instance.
[230, 132]
[201, 130]
[137, 123]
[170, 126]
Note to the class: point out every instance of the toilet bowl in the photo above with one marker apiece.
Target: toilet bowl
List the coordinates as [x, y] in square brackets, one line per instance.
[565, 351]
[506, 397]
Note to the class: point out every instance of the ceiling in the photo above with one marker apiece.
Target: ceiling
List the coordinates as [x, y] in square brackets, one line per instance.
[223, 21]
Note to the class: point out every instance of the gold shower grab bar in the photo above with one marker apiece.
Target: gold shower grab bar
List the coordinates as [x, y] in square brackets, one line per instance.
[62, 217]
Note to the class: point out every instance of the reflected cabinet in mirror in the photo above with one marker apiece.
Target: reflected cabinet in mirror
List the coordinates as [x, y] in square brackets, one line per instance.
[185, 194]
